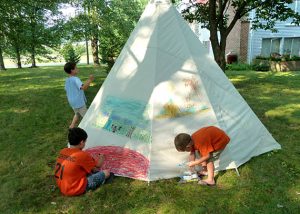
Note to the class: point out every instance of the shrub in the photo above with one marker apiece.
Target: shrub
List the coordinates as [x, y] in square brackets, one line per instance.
[69, 53]
[278, 58]
[238, 67]
[295, 58]
[262, 57]
[260, 65]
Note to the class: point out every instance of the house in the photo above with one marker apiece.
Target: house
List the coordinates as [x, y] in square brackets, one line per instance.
[284, 42]
[248, 43]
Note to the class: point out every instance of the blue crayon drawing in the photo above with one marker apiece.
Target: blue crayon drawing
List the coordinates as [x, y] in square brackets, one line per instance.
[128, 118]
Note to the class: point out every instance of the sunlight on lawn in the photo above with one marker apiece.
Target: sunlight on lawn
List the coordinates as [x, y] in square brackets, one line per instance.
[290, 112]
[239, 78]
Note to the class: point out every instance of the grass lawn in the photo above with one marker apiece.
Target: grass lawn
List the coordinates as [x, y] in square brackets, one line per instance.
[34, 116]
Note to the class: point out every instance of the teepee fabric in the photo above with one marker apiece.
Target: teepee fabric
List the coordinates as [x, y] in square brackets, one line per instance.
[164, 83]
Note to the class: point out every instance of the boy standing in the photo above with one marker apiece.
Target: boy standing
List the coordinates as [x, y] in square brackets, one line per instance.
[75, 91]
[210, 142]
[75, 170]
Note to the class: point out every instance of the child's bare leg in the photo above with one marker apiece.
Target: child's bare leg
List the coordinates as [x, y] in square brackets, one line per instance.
[203, 171]
[210, 173]
[74, 121]
[204, 166]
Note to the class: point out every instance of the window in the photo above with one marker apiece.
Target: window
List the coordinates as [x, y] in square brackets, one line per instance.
[269, 46]
[287, 46]
[297, 5]
[292, 46]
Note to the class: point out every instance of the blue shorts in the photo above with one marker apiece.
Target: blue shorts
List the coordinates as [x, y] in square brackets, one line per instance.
[95, 180]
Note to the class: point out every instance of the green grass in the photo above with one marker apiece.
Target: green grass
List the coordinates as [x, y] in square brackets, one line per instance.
[34, 116]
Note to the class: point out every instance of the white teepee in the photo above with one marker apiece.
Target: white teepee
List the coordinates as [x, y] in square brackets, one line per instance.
[164, 83]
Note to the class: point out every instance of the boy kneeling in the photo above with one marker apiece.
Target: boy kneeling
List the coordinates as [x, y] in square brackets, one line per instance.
[210, 142]
[76, 170]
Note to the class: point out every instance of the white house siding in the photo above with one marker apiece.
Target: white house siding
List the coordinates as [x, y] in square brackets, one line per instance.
[285, 30]
[255, 38]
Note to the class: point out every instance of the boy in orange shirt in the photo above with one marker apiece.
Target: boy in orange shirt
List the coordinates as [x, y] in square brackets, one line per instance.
[76, 170]
[210, 142]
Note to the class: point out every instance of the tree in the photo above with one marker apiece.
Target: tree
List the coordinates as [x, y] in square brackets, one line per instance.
[3, 39]
[106, 23]
[2, 66]
[213, 15]
[86, 25]
[78, 29]
[14, 33]
[25, 27]
[69, 53]
[118, 20]
[2, 47]
[38, 35]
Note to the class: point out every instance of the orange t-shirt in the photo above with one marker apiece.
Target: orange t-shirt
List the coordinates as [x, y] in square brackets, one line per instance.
[209, 139]
[71, 169]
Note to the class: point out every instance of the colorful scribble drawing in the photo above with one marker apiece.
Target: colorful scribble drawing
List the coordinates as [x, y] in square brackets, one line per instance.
[194, 87]
[122, 161]
[128, 118]
[193, 102]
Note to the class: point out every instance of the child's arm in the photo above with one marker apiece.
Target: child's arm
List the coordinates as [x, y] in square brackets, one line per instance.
[87, 83]
[192, 157]
[100, 161]
[202, 159]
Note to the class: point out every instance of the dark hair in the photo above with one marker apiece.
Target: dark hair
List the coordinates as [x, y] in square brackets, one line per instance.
[181, 141]
[69, 66]
[76, 135]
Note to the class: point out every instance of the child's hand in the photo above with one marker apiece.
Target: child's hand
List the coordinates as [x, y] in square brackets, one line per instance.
[100, 160]
[190, 164]
[91, 77]
[101, 157]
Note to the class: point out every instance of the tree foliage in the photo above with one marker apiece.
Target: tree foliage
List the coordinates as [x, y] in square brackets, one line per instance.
[69, 53]
[119, 19]
[107, 24]
[26, 29]
[214, 15]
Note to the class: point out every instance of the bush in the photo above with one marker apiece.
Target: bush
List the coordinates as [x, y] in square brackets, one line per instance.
[262, 57]
[260, 65]
[278, 58]
[238, 67]
[295, 58]
[69, 54]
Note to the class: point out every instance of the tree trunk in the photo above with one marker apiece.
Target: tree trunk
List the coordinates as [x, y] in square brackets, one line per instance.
[18, 57]
[87, 51]
[218, 44]
[218, 49]
[2, 66]
[220, 59]
[94, 44]
[33, 38]
[33, 63]
[221, 55]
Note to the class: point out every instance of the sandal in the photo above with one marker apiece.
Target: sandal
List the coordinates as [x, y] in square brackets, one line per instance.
[203, 183]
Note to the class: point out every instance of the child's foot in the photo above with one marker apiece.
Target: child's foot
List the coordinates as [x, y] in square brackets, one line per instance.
[207, 183]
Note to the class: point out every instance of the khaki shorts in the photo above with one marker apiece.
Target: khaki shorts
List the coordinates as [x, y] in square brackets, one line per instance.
[215, 156]
[80, 111]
